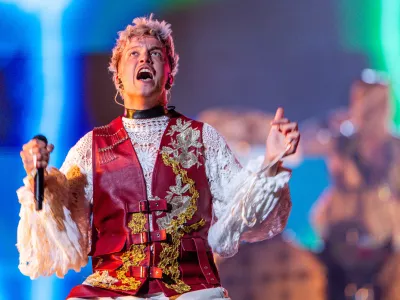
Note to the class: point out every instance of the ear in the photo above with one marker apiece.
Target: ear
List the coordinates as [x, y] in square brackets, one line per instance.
[115, 79]
[170, 82]
[118, 83]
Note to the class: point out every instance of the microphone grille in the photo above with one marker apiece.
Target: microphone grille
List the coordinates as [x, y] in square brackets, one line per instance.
[41, 137]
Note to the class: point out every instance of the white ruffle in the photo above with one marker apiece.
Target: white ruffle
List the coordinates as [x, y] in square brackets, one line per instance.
[48, 240]
[255, 208]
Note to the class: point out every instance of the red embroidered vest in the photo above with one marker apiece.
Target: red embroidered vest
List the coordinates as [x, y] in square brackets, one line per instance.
[172, 255]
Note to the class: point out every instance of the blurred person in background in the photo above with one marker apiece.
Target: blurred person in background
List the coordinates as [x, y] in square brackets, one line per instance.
[357, 216]
[153, 194]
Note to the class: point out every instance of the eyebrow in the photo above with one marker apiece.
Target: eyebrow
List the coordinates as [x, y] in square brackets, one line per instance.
[150, 49]
[156, 48]
[132, 47]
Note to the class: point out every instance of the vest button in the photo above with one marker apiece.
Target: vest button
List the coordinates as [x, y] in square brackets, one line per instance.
[212, 279]
[205, 267]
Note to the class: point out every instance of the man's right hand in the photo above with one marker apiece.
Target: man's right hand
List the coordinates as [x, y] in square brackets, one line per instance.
[35, 150]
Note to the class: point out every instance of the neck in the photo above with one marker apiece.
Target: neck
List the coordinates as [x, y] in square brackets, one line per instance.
[139, 102]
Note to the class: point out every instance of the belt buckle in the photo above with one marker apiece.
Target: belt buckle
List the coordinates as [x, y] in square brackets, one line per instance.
[144, 206]
[144, 272]
[144, 237]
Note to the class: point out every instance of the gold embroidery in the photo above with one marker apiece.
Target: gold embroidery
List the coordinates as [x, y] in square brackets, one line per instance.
[131, 258]
[138, 222]
[179, 203]
[194, 227]
[188, 137]
[170, 253]
[100, 279]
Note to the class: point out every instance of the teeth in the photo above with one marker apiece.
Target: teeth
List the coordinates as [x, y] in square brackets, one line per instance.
[145, 70]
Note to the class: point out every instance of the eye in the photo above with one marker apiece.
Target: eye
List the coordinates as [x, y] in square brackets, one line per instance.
[134, 53]
[156, 54]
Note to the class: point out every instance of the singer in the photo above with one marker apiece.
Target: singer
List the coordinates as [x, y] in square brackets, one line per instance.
[152, 195]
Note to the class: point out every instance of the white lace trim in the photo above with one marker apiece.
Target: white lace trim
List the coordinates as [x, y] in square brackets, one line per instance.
[145, 135]
[221, 167]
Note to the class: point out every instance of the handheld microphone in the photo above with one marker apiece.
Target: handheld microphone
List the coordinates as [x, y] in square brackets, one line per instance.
[39, 178]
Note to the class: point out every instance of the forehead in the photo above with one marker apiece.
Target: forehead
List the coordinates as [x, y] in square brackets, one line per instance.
[144, 42]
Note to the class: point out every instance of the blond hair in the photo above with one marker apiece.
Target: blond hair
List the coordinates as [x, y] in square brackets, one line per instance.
[145, 26]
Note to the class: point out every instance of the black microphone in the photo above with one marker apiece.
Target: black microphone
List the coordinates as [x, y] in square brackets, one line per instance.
[39, 178]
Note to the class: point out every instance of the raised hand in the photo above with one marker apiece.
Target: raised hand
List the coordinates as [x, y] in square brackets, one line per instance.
[283, 134]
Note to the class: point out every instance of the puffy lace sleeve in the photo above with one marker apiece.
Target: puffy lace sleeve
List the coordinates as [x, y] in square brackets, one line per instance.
[246, 206]
[56, 239]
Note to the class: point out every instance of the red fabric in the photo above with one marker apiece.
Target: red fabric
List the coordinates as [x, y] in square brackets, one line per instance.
[119, 190]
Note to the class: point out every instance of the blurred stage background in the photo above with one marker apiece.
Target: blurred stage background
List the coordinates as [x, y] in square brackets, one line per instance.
[253, 55]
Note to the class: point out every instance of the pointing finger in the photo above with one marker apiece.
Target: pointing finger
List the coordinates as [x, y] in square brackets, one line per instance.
[280, 122]
[279, 114]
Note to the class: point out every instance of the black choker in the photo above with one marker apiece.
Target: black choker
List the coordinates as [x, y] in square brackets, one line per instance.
[153, 112]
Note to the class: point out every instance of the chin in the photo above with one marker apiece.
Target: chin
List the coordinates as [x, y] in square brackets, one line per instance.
[149, 92]
[145, 92]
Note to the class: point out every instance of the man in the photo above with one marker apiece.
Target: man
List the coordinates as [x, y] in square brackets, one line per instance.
[152, 194]
[357, 217]
[363, 161]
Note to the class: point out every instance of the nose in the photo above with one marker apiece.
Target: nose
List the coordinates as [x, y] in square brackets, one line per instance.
[145, 58]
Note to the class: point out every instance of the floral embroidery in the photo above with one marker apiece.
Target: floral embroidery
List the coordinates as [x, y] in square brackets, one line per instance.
[102, 278]
[179, 202]
[170, 252]
[186, 138]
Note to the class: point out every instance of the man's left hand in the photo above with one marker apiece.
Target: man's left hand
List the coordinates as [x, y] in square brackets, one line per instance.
[282, 134]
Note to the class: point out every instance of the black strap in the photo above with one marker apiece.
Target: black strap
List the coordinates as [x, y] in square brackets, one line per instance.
[154, 112]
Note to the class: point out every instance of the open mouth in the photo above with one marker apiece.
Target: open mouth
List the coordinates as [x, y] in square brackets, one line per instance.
[144, 74]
